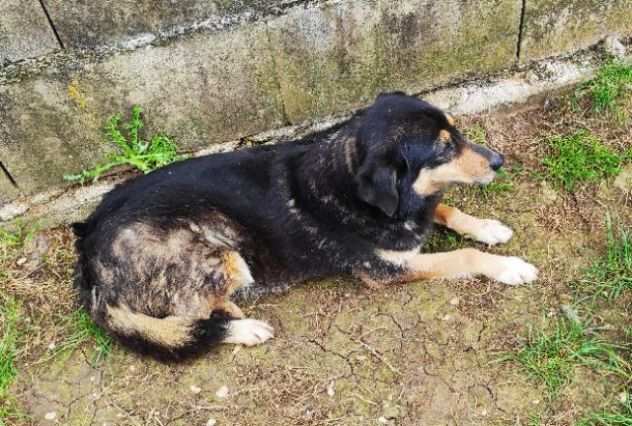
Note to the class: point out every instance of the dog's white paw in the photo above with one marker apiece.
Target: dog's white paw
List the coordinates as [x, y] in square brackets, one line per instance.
[248, 332]
[491, 232]
[514, 271]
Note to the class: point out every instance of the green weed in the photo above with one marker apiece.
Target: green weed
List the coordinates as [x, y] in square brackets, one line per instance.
[578, 158]
[9, 314]
[476, 134]
[16, 236]
[551, 357]
[501, 184]
[9, 317]
[608, 88]
[85, 330]
[617, 417]
[611, 275]
[143, 155]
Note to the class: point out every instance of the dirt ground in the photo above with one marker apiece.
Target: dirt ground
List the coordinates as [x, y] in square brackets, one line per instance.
[429, 353]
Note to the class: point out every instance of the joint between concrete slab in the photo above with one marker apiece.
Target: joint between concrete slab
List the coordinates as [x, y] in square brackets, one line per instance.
[51, 24]
[276, 77]
[521, 29]
[8, 175]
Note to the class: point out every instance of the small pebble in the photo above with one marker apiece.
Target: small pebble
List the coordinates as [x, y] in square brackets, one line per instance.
[211, 422]
[447, 318]
[623, 397]
[454, 301]
[51, 346]
[50, 416]
[21, 261]
[331, 391]
[383, 420]
[195, 389]
[222, 392]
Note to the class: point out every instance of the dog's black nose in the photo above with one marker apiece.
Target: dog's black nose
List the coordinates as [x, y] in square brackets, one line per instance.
[497, 161]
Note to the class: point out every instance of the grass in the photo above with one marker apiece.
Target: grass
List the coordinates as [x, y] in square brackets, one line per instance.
[607, 91]
[133, 150]
[579, 158]
[551, 357]
[617, 417]
[611, 275]
[9, 316]
[85, 330]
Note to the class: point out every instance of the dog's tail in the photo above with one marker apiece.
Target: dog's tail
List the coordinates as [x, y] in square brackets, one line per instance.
[167, 339]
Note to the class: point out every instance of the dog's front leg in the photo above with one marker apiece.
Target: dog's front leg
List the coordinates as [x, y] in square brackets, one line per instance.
[460, 264]
[488, 231]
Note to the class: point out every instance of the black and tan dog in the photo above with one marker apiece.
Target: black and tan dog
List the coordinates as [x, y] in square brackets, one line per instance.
[161, 256]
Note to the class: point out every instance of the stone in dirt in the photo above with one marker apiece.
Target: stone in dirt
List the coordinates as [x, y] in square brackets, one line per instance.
[624, 180]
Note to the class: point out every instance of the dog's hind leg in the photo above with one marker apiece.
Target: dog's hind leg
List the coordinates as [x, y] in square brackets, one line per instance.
[239, 330]
[488, 231]
[459, 264]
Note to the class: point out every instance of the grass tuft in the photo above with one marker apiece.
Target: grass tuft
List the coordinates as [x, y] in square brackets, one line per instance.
[143, 155]
[9, 335]
[611, 275]
[552, 357]
[9, 314]
[85, 330]
[579, 158]
[609, 87]
[618, 417]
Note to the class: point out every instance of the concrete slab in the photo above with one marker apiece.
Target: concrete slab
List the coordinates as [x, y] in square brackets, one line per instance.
[86, 24]
[202, 90]
[24, 31]
[554, 27]
[340, 55]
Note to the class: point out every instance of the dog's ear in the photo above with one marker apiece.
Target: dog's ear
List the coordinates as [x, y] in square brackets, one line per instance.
[377, 184]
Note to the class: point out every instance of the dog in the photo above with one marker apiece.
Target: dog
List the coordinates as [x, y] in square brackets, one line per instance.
[163, 257]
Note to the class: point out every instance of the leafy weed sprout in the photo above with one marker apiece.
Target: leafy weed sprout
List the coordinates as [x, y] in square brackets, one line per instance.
[578, 158]
[133, 150]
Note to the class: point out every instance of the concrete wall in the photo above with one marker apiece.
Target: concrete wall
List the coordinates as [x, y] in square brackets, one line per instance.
[211, 71]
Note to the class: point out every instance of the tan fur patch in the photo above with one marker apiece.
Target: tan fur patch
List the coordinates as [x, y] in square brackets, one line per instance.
[469, 167]
[443, 214]
[170, 331]
[450, 119]
[455, 219]
[237, 271]
[444, 136]
[472, 164]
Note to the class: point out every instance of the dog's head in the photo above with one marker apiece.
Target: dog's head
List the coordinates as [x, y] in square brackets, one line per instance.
[408, 148]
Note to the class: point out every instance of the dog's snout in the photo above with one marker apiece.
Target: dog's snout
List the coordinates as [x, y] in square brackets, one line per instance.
[496, 161]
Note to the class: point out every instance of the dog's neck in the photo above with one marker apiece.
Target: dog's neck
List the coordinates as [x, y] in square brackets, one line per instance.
[328, 166]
